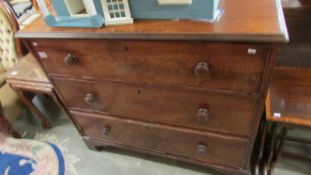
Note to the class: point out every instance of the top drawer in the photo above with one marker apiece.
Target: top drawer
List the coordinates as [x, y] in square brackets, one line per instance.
[221, 66]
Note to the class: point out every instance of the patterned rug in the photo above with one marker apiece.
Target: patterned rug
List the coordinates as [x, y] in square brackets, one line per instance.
[45, 155]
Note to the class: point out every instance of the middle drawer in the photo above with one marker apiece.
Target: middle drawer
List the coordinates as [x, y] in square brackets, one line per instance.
[207, 111]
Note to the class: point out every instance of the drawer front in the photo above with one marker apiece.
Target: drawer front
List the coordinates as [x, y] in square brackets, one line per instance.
[200, 146]
[230, 67]
[208, 111]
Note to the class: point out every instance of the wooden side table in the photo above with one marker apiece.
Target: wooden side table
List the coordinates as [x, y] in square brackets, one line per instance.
[28, 79]
[288, 105]
[289, 99]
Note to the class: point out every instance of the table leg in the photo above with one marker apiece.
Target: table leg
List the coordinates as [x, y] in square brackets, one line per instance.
[280, 140]
[27, 99]
[274, 144]
[271, 138]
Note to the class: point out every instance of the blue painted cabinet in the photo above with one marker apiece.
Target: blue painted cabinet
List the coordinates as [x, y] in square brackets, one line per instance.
[151, 9]
[96, 13]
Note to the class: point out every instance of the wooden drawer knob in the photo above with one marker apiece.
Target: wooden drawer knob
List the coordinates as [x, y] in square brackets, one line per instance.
[70, 59]
[201, 148]
[202, 114]
[89, 98]
[106, 130]
[201, 69]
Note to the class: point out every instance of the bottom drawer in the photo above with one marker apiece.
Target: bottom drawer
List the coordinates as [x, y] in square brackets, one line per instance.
[196, 145]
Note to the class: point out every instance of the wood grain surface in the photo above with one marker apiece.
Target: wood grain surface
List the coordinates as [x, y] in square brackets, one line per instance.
[222, 150]
[230, 66]
[259, 21]
[290, 96]
[228, 114]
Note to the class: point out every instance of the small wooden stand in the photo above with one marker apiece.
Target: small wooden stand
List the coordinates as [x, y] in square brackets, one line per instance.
[288, 105]
[28, 79]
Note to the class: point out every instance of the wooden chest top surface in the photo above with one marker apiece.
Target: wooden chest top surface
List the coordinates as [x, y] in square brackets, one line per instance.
[242, 20]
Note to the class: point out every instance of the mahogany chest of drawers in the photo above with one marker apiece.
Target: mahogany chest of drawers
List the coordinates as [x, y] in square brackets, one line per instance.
[187, 90]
